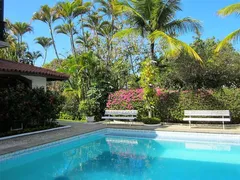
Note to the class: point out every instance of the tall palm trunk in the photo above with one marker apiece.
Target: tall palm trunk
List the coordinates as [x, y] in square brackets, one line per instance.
[45, 56]
[72, 43]
[18, 48]
[83, 34]
[53, 40]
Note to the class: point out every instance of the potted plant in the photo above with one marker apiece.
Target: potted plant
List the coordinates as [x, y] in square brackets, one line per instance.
[88, 108]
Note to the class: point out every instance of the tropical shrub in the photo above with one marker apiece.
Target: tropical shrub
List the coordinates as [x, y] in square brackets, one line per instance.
[32, 107]
[89, 107]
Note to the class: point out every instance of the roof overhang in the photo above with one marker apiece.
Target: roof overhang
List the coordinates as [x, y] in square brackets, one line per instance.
[49, 78]
[15, 68]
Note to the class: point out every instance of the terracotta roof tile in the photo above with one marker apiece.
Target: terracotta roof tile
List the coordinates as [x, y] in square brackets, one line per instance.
[26, 69]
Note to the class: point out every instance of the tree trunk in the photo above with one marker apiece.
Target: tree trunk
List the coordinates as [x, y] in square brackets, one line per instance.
[72, 44]
[83, 34]
[18, 48]
[53, 40]
[45, 57]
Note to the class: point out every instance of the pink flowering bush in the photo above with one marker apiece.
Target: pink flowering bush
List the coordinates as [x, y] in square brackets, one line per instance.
[127, 99]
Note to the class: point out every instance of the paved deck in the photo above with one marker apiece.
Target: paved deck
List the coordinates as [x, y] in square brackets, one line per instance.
[19, 143]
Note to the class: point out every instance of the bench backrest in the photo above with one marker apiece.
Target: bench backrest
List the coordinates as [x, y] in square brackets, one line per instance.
[121, 112]
[222, 113]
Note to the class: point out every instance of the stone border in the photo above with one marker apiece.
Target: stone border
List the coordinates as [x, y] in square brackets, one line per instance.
[49, 145]
[35, 132]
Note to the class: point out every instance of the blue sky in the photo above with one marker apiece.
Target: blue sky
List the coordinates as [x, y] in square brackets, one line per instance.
[203, 10]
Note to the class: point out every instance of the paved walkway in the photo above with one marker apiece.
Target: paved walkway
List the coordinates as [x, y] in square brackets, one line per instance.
[19, 143]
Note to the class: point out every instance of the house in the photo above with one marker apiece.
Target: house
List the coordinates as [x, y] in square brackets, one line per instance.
[34, 77]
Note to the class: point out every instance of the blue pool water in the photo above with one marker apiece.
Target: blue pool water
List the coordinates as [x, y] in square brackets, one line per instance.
[112, 156]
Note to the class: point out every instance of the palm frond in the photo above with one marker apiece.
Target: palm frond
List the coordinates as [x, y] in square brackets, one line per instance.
[182, 26]
[233, 8]
[233, 37]
[45, 42]
[125, 32]
[173, 46]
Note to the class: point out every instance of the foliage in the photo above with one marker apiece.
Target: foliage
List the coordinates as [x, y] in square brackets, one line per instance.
[32, 107]
[171, 104]
[156, 19]
[148, 74]
[88, 82]
[65, 116]
[234, 36]
[89, 107]
[218, 70]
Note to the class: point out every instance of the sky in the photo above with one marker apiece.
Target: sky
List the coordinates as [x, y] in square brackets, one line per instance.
[202, 10]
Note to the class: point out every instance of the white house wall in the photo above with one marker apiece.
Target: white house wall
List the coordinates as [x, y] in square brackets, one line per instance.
[37, 81]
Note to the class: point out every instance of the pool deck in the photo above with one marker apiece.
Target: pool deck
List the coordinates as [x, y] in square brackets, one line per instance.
[20, 143]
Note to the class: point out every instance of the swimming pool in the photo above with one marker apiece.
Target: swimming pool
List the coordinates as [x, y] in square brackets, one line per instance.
[128, 154]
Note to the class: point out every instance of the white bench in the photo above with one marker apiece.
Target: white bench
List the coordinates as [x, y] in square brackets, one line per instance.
[207, 115]
[129, 115]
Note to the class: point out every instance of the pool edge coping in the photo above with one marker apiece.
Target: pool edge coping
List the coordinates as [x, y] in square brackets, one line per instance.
[34, 132]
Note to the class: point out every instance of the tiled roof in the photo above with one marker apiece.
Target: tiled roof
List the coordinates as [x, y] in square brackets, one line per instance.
[26, 69]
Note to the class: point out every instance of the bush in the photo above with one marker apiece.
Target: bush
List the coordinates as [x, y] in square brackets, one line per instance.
[147, 120]
[170, 105]
[65, 116]
[32, 107]
[89, 107]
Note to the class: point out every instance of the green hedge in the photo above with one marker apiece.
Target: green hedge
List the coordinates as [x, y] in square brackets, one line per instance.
[170, 105]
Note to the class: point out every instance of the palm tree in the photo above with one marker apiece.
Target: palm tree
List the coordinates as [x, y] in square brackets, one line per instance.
[68, 11]
[156, 20]
[93, 23]
[112, 9]
[234, 36]
[31, 57]
[48, 16]
[45, 43]
[19, 29]
[85, 41]
[70, 31]
[105, 30]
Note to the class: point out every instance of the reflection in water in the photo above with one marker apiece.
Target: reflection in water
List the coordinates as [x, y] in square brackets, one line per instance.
[123, 158]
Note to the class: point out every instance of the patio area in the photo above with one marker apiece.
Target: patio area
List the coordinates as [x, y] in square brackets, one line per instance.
[77, 128]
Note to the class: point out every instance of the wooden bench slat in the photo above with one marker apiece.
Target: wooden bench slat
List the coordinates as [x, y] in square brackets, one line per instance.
[207, 119]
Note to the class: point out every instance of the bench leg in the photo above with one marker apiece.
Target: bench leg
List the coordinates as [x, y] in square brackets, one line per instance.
[223, 125]
[189, 124]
